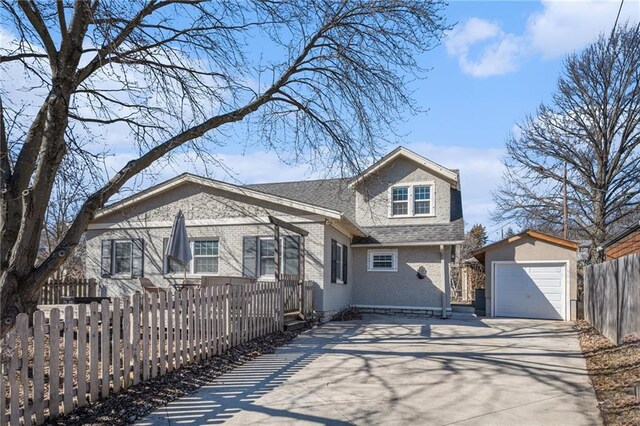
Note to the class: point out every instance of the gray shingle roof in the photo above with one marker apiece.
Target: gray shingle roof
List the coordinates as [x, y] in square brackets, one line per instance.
[335, 194]
[440, 232]
[328, 193]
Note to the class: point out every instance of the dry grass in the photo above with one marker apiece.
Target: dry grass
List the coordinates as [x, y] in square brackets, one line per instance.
[614, 371]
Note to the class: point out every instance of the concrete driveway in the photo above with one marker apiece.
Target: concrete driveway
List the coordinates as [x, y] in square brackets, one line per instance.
[389, 370]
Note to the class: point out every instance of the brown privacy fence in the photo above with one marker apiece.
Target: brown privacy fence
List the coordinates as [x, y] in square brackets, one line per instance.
[612, 297]
[85, 352]
[54, 291]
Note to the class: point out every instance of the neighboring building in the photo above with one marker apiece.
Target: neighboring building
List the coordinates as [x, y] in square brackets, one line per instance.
[623, 243]
[531, 275]
[381, 240]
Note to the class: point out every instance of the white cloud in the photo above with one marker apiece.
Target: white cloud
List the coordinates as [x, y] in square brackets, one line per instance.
[498, 54]
[564, 26]
[484, 49]
[471, 32]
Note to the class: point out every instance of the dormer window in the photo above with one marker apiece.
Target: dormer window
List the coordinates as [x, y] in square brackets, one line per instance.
[400, 201]
[415, 199]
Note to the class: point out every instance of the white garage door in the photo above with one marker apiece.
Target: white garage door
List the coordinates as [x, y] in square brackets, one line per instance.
[529, 290]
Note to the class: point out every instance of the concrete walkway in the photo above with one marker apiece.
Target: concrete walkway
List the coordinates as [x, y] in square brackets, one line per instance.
[388, 370]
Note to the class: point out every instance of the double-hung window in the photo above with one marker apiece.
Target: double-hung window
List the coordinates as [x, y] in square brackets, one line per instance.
[259, 256]
[205, 258]
[339, 262]
[400, 201]
[267, 253]
[422, 199]
[414, 199]
[123, 257]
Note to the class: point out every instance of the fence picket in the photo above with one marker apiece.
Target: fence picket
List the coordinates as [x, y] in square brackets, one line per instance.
[22, 329]
[154, 335]
[38, 369]
[178, 335]
[170, 331]
[184, 295]
[105, 358]
[67, 368]
[196, 326]
[14, 397]
[82, 355]
[145, 336]
[135, 345]
[126, 342]
[93, 349]
[163, 332]
[54, 362]
[116, 345]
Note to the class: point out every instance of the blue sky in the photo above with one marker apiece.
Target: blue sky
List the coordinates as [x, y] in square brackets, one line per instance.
[497, 65]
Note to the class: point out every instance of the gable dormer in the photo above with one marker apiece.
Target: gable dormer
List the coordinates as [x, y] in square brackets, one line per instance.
[404, 188]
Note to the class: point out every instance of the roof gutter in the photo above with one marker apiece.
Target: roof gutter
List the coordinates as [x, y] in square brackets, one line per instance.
[417, 244]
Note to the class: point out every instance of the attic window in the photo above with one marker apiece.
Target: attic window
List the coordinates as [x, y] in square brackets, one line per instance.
[415, 199]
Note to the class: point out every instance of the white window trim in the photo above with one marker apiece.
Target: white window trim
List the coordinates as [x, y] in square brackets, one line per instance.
[339, 265]
[394, 257]
[113, 263]
[411, 201]
[190, 272]
[281, 265]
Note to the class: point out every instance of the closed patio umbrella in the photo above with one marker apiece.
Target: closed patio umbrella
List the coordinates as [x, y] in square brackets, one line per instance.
[178, 247]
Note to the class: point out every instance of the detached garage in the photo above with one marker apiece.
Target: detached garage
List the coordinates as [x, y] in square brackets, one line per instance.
[530, 275]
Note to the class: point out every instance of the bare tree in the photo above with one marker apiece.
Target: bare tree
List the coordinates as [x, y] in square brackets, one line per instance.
[175, 73]
[591, 127]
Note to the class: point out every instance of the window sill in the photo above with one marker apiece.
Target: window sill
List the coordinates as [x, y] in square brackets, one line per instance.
[382, 270]
[179, 275]
[407, 216]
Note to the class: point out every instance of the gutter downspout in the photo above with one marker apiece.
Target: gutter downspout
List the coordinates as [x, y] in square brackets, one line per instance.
[444, 282]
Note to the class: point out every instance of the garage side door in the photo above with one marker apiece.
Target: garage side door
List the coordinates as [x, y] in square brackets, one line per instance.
[530, 290]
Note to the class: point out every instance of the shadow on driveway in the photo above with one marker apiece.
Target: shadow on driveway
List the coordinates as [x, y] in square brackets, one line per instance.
[400, 370]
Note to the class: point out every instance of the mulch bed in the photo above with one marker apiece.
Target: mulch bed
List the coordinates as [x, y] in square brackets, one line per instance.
[137, 401]
[348, 314]
[614, 371]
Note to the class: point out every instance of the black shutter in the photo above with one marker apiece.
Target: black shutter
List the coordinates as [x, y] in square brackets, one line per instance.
[249, 256]
[334, 249]
[344, 264]
[106, 258]
[137, 258]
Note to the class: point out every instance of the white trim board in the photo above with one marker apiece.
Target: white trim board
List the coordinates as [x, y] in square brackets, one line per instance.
[429, 243]
[401, 151]
[222, 186]
[566, 282]
[262, 220]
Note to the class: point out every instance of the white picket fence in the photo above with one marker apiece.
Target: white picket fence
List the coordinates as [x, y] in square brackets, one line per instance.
[86, 352]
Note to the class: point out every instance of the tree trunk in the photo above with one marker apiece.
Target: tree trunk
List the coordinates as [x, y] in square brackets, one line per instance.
[13, 302]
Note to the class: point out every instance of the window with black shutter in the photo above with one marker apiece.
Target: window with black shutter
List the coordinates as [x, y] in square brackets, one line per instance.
[338, 263]
[122, 258]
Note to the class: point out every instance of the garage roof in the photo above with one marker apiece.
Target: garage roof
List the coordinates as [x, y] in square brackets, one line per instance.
[479, 254]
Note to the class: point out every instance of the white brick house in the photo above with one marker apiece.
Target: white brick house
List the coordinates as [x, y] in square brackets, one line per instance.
[380, 240]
